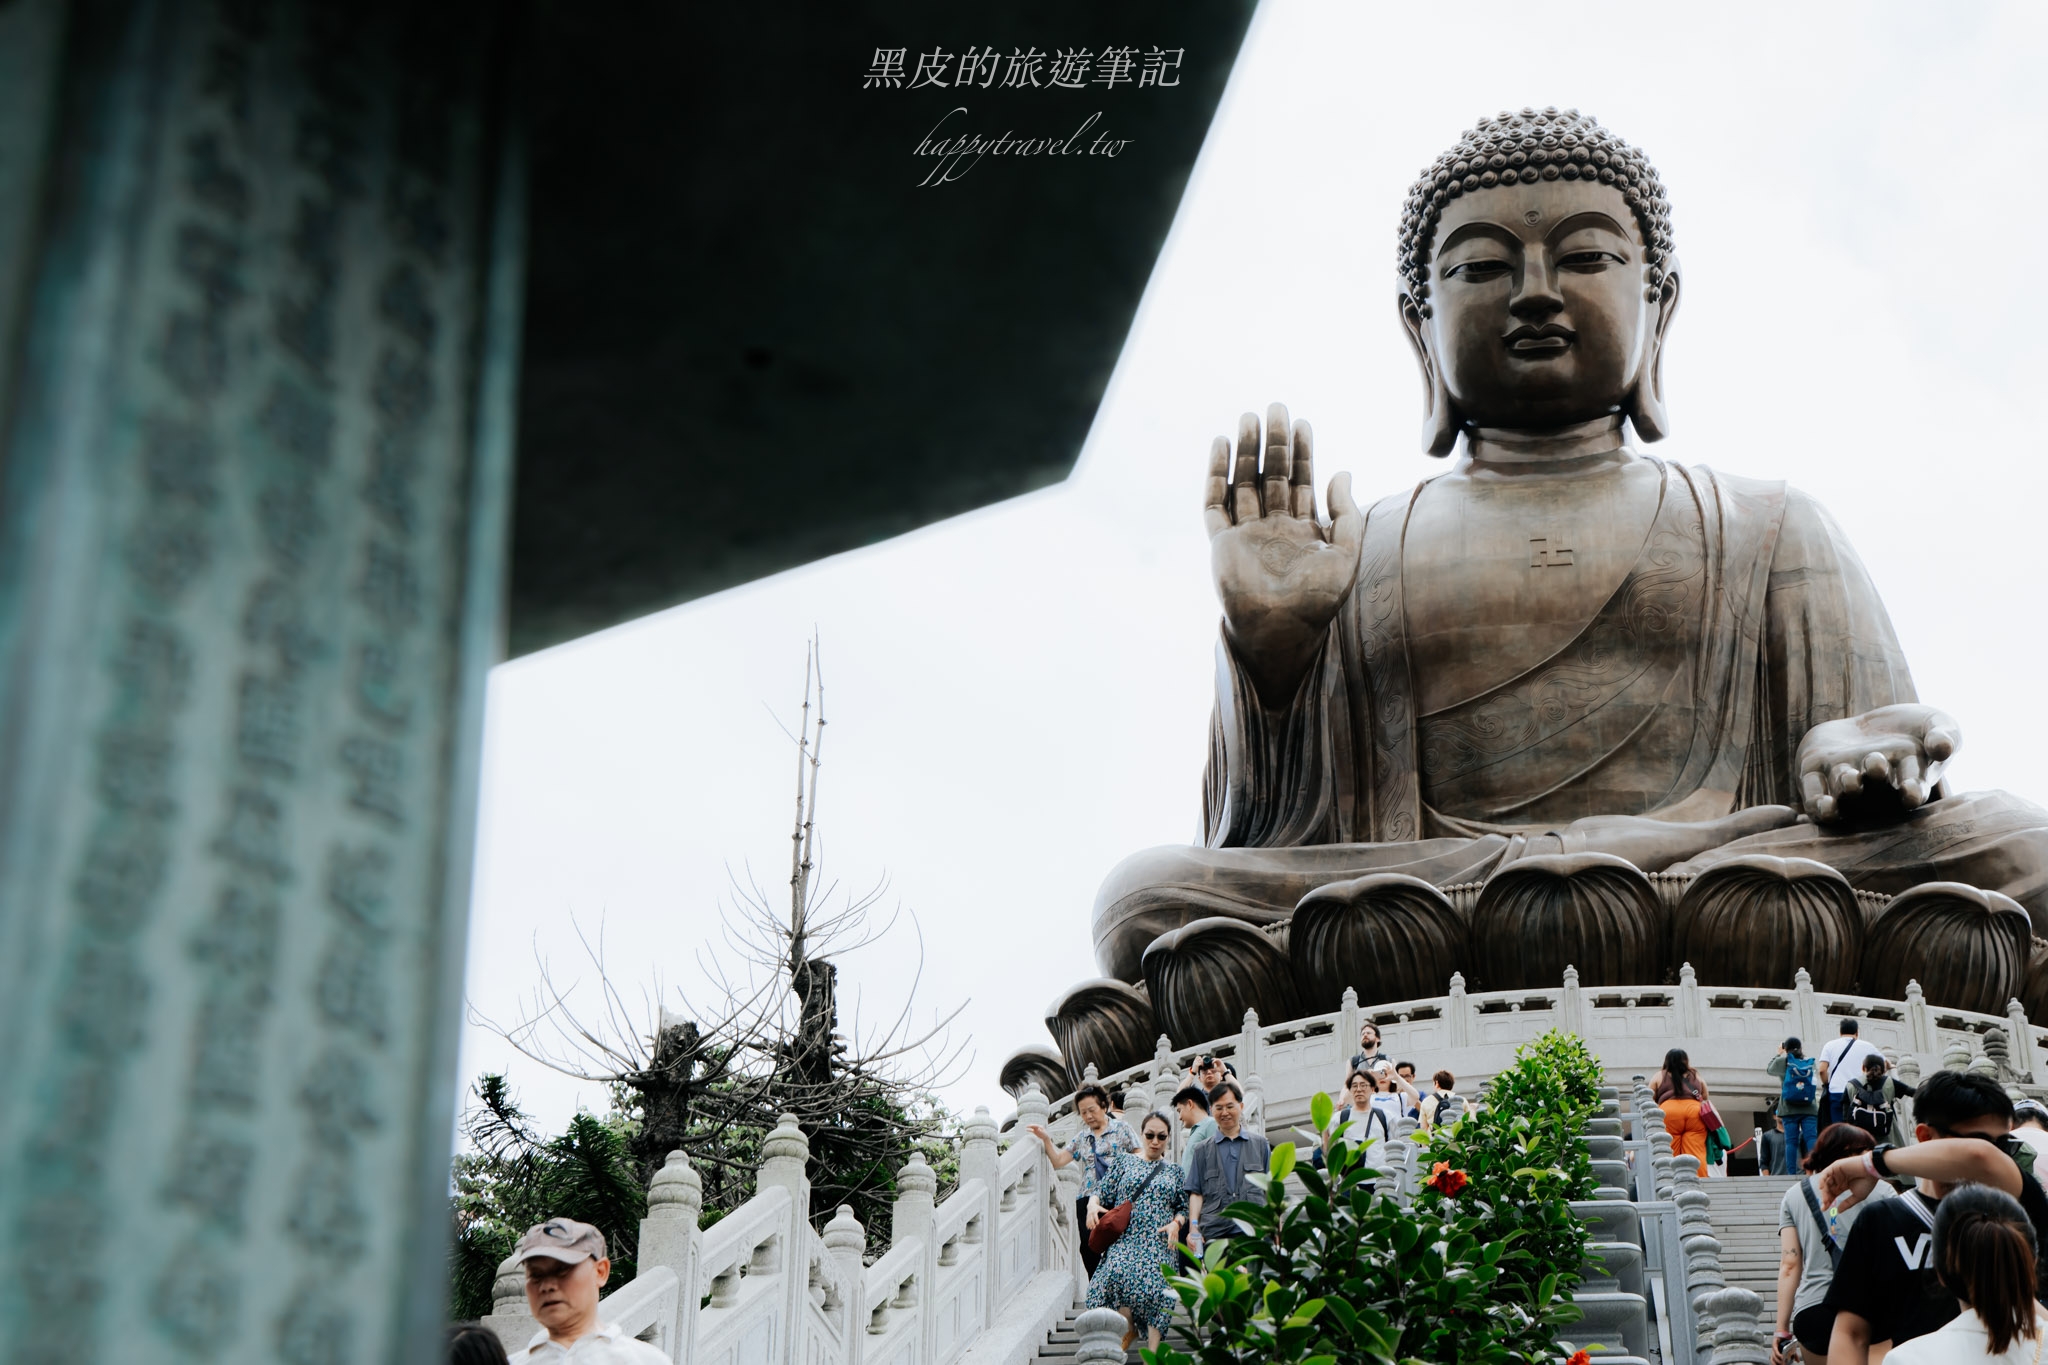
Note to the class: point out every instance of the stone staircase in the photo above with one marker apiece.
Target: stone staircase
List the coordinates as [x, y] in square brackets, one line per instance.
[1614, 1295]
[1744, 1210]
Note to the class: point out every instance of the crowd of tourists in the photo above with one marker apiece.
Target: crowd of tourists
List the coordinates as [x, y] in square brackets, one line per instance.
[1915, 1244]
[1138, 1208]
[1921, 1254]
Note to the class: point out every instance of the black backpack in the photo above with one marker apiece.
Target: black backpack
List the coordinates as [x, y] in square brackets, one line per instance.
[1869, 1109]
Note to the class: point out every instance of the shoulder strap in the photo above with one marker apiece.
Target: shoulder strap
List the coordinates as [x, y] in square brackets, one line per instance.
[1820, 1221]
[1140, 1192]
[1918, 1203]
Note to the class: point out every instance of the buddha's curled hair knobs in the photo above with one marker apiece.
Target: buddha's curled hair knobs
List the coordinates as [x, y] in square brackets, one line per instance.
[1535, 144]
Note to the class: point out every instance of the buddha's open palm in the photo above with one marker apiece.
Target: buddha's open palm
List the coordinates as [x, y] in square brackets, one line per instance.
[1883, 760]
[1280, 572]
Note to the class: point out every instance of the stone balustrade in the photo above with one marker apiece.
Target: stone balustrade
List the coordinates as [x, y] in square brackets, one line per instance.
[1729, 1032]
[977, 1279]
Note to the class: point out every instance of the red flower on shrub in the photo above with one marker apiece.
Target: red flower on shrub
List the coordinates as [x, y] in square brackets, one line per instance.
[1444, 1180]
[1580, 1358]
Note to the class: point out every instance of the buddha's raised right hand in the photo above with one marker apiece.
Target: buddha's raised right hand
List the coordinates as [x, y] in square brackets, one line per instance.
[1281, 573]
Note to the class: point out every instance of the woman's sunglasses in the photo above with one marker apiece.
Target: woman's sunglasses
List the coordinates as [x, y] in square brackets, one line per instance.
[1155, 1137]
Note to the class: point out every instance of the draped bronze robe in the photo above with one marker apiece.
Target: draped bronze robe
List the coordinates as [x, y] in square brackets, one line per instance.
[1746, 620]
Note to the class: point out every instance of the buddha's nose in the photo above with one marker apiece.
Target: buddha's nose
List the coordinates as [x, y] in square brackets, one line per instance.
[1535, 296]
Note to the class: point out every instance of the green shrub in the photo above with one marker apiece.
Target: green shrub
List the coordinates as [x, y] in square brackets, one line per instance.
[1520, 1152]
[1479, 1269]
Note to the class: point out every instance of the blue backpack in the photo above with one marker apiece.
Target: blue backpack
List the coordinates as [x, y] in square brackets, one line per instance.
[1798, 1087]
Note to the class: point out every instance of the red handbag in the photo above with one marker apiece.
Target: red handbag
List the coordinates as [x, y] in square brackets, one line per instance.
[1111, 1225]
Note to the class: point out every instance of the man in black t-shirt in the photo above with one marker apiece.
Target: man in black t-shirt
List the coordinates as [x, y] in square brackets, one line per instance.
[1885, 1290]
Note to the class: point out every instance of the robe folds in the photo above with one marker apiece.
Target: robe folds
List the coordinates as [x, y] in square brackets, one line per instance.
[1745, 620]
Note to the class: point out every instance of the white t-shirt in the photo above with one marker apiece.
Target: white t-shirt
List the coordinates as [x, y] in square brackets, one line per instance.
[606, 1346]
[2035, 1138]
[1845, 1057]
[1963, 1340]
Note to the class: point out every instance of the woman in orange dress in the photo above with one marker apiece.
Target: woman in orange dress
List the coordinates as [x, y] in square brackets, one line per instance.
[1680, 1093]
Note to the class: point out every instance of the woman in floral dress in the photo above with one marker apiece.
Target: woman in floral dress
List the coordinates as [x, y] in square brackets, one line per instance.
[1130, 1279]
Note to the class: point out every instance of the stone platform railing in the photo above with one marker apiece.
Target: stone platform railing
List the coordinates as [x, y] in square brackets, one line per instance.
[1729, 1033]
[979, 1278]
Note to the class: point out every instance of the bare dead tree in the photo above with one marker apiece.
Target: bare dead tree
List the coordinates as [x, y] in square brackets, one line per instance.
[768, 1039]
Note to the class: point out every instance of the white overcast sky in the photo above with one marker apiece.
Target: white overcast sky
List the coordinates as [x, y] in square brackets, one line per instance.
[1019, 697]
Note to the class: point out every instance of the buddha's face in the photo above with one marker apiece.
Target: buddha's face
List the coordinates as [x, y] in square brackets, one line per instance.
[1539, 319]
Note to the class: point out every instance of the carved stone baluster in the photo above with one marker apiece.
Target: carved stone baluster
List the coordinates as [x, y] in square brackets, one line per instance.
[979, 1160]
[785, 1154]
[669, 1236]
[509, 1318]
[2026, 1059]
[1691, 1013]
[1101, 1331]
[1920, 1019]
[1460, 1016]
[1571, 1004]
[1806, 1008]
[1350, 1021]
[845, 1242]
[911, 1223]
[1739, 1334]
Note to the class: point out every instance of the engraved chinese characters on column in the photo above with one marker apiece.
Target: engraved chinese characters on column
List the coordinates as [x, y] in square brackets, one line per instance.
[381, 753]
[285, 456]
[164, 471]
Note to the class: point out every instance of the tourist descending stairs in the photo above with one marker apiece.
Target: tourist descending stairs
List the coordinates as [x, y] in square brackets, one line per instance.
[1745, 1214]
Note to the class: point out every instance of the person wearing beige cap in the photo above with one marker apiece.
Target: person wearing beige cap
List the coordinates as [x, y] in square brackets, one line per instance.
[566, 1265]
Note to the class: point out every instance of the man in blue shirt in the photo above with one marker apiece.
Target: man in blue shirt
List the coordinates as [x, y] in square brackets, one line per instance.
[1217, 1168]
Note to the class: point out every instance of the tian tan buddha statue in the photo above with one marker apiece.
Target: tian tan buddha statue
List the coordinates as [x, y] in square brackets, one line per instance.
[1556, 668]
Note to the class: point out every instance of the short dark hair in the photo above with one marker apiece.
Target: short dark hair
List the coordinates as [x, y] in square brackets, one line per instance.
[1948, 1098]
[1849, 1024]
[1192, 1094]
[1092, 1091]
[1223, 1087]
[1146, 1122]
[1836, 1141]
[1357, 1073]
[1876, 1059]
[1793, 1048]
[1444, 1080]
[1399, 1065]
[1365, 1024]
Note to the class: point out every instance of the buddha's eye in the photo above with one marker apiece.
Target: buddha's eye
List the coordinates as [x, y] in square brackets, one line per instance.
[1592, 258]
[1474, 272]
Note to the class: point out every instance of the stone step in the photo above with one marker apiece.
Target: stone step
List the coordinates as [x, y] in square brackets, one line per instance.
[1613, 1267]
[1744, 1214]
[1605, 1147]
[1618, 1322]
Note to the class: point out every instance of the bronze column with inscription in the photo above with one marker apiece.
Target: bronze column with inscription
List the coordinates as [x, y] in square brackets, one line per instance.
[260, 271]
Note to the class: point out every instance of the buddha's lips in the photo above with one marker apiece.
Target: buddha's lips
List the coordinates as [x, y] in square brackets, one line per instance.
[1548, 339]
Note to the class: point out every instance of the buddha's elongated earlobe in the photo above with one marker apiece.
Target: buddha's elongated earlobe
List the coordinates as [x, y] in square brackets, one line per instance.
[1440, 420]
[1646, 400]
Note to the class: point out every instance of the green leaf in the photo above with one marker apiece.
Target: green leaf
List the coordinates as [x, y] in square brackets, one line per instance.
[1321, 1109]
[1282, 1164]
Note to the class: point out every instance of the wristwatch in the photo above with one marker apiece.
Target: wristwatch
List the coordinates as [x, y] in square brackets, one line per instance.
[1877, 1159]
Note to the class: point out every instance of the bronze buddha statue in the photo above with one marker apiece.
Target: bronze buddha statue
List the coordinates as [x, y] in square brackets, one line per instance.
[1561, 656]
